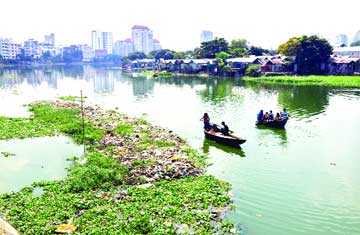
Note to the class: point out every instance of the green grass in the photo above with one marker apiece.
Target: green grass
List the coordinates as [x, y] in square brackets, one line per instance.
[328, 81]
[96, 197]
[124, 129]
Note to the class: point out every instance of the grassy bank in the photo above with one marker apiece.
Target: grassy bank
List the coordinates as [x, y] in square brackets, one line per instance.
[329, 81]
[134, 179]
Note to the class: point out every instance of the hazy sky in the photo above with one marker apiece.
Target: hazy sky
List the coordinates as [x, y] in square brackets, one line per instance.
[178, 23]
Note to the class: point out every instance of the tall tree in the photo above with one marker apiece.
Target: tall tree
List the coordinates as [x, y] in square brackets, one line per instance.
[310, 53]
[238, 48]
[137, 56]
[210, 48]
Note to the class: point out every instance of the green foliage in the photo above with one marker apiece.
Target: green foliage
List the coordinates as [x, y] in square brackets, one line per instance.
[162, 54]
[154, 210]
[327, 81]
[253, 70]
[95, 197]
[310, 52]
[95, 173]
[238, 48]
[124, 129]
[136, 56]
[210, 48]
[355, 44]
[258, 51]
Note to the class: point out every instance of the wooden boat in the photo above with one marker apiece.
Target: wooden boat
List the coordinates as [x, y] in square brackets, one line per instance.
[273, 124]
[229, 140]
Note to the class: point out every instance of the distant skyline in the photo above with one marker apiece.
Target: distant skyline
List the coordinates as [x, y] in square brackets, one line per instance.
[178, 25]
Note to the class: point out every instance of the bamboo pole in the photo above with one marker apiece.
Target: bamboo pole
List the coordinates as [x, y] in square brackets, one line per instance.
[83, 120]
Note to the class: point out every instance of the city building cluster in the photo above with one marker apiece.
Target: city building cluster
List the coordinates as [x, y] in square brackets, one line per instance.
[101, 45]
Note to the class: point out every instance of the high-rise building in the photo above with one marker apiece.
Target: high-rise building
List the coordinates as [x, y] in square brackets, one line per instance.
[32, 48]
[102, 41]
[206, 36]
[341, 40]
[97, 40]
[107, 38]
[142, 38]
[156, 45]
[357, 36]
[87, 52]
[50, 39]
[9, 49]
[123, 48]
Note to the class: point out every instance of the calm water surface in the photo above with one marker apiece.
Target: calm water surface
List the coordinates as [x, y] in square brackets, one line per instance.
[34, 159]
[302, 180]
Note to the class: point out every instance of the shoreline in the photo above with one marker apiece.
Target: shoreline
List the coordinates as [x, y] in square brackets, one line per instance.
[128, 162]
[351, 81]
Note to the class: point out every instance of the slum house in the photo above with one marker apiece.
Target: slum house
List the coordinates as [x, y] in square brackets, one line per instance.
[343, 65]
[143, 64]
[275, 65]
[239, 65]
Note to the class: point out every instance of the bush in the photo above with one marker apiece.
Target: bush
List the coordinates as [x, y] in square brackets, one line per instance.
[97, 171]
[253, 70]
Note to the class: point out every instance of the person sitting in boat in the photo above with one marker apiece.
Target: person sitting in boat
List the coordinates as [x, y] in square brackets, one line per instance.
[260, 116]
[277, 117]
[284, 115]
[271, 116]
[206, 120]
[266, 117]
[224, 129]
[215, 128]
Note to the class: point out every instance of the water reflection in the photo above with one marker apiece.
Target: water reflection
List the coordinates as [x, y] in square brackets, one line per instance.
[207, 144]
[304, 101]
[278, 133]
[142, 87]
[301, 101]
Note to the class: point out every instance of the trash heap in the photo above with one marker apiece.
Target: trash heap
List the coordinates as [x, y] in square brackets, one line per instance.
[150, 152]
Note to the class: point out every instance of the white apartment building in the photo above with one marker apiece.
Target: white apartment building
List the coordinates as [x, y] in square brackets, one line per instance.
[49, 39]
[123, 48]
[206, 36]
[107, 38]
[88, 53]
[341, 39]
[142, 38]
[156, 45]
[102, 41]
[357, 36]
[32, 48]
[8, 49]
[97, 40]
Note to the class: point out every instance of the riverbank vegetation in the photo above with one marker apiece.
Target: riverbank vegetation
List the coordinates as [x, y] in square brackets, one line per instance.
[135, 178]
[329, 81]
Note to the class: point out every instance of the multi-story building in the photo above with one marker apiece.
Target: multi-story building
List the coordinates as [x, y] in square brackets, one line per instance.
[49, 39]
[102, 41]
[142, 38]
[32, 48]
[206, 36]
[87, 53]
[123, 48]
[8, 49]
[107, 38]
[341, 40]
[97, 40]
[357, 36]
[156, 45]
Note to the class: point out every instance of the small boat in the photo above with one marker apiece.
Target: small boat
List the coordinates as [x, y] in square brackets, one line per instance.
[218, 137]
[273, 124]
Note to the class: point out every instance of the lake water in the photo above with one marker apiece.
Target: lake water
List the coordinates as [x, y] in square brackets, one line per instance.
[34, 159]
[302, 180]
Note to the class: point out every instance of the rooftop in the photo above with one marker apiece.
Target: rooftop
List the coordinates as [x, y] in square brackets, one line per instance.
[140, 27]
